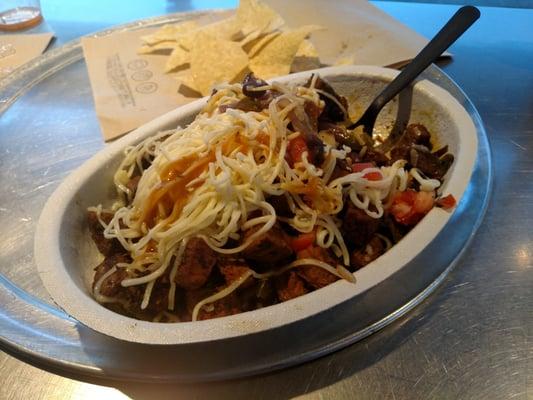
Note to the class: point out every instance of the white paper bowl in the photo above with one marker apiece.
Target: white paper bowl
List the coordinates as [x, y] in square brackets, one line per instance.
[65, 254]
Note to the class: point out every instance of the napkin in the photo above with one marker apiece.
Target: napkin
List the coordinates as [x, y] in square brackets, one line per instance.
[16, 50]
[130, 89]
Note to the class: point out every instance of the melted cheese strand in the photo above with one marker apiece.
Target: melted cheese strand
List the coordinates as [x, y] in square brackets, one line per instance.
[426, 184]
[96, 291]
[219, 295]
[335, 271]
[173, 273]
[147, 294]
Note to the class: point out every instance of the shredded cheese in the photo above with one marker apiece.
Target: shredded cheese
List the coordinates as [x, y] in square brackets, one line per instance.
[219, 295]
[206, 180]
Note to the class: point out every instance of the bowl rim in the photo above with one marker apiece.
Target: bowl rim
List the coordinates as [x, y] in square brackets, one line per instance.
[74, 301]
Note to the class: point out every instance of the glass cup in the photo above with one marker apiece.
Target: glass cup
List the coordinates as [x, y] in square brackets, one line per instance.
[19, 14]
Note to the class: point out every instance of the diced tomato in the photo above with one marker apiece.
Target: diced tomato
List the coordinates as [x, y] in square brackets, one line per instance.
[295, 148]
[303, 241]
[446, 202]
[373, 176]
[409, 207]
[360, 166]
[402, 205]
[424, 202]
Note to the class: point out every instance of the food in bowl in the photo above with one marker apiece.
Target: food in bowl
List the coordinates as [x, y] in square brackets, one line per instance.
[264, 197]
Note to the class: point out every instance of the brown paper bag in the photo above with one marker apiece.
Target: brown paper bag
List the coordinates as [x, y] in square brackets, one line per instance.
[130, 89]
[16, 50]
[356, 32]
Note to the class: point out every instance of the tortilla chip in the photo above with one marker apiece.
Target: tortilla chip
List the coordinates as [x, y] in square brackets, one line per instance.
[255, 46]
[187, 80]
[253, 16]
[244, 40]
[276, 57]
[306, 58]
[166, 45]
[345, 60]
[205, 55]
[177, 58]
[215, 60]
[223, 29]
[300, 64]
[169, 32]
[307, 49]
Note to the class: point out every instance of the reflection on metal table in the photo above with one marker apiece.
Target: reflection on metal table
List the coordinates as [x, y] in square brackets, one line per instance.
[472, 338]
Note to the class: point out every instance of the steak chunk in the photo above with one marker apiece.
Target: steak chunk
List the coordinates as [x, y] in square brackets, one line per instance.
[159, 297]
[340, 133]
[132, 185]
[260, 98]
[250, 84]
[290, 286]
[315, 276]
[227, 305]
[196, 266]
[374, 156]
[342, 168]
[281, 205]
[232, 268]
[111, 286]
[357, 226]
[191, 298]
[414, 134]
[269, 249]
[105, 246]
[332, 111]
[303, 120]
[417, 134]
[369, 253]
[431, 165]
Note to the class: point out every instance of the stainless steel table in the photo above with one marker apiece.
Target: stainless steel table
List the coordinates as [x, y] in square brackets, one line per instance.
[473, 337]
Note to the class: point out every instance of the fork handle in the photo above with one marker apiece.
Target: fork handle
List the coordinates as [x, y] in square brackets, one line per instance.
[454, 28]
